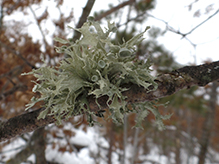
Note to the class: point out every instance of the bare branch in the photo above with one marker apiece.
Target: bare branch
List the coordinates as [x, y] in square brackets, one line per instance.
[201, 23]
[167, 84]
[83, 18]
[184, 34]
[18, 54]
[87, 10]
[38, 24]
[132, 19]
[18, 87]
[114, 9]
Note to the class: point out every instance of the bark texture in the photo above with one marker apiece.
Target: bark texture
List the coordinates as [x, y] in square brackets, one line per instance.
[167, 84]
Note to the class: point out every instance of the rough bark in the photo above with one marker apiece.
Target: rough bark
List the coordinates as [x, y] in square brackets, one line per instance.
[23, 123]
[167, 84]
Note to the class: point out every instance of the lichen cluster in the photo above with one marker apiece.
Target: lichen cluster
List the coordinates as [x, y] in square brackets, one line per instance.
[94, 66]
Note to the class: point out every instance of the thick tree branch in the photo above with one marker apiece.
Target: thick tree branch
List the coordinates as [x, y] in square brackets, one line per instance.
[167, 84]
[23, 123]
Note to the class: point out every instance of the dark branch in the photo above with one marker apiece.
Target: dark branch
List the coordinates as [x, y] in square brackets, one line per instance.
[83, 18]
[18, 87]
[167, 84]
[108, 12]
[24, 123]
[18, 54]
[87, 10]
[200, 24]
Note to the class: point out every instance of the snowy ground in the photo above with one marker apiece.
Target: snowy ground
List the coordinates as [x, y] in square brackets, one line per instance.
[94, 146]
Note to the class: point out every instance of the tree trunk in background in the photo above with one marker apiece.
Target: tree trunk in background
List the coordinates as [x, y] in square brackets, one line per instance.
[189, 145]
[40, 145]
[36, 145]
[178, 145]
[208, 124]
[124, 139]
[111, 142]
[177, 139]
[135, 145]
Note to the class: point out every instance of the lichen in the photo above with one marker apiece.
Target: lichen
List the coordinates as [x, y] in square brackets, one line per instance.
[94, 66]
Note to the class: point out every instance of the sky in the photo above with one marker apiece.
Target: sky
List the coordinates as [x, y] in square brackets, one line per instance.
[199, 46]
[205, 39]
[178, 16]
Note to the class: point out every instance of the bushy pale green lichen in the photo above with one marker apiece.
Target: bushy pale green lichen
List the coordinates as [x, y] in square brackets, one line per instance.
[94, 66]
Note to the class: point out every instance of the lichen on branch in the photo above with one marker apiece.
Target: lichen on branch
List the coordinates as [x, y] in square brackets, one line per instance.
[95, 66]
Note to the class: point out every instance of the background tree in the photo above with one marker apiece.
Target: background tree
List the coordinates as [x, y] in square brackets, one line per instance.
[21, 53]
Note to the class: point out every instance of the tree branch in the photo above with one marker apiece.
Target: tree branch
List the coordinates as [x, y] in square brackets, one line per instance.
[83, 18]
[167, 84]
[87, 10]
[18, 54]
[185, 34]
[18, 87]
[108, 12]
[23, 123]
[180, 33]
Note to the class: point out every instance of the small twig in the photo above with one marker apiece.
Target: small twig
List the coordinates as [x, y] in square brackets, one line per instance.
[201, 23]
[18, 54]
[132, 19]
[71, 145]
[114, 9]
[17, 148]
[10, 80]
[180, 33]
[41, 31]
[13, 72]
[12, 90]
[184, 35]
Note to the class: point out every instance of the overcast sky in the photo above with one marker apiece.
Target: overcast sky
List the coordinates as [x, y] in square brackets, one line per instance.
[176, 13]
[205, 39]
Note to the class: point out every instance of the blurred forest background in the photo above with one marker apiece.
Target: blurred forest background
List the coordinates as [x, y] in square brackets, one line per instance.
[192, 134]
